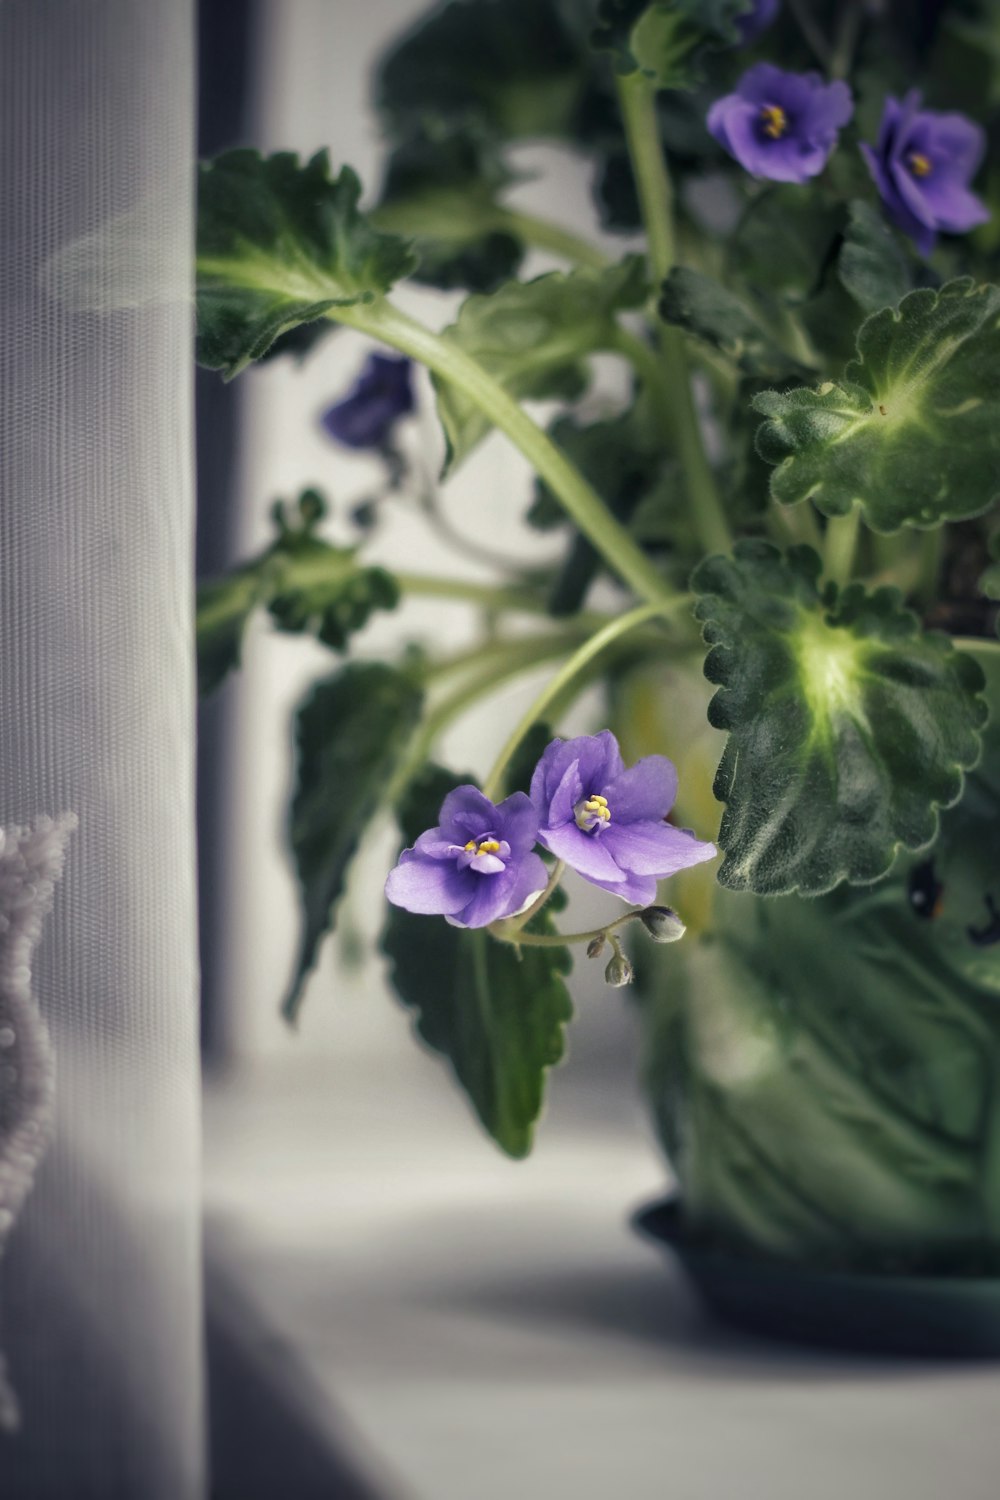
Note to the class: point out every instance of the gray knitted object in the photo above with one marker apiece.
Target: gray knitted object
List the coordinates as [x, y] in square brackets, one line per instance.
[31, 861]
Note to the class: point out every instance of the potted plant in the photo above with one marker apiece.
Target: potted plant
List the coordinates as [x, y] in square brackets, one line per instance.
[798, 503]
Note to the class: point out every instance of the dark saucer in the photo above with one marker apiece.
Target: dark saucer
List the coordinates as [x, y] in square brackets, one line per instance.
[944, 1316]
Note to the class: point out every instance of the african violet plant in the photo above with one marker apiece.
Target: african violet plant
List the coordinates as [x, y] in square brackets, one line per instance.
[805, 478]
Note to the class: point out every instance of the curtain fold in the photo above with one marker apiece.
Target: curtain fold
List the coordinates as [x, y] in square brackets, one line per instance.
[100, 1280]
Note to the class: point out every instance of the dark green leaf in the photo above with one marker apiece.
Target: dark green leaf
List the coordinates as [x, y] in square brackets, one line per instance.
[517, 67]
[873, 265]
[913, 432]
[441, 188]
[989, 584]
[667, 39]
[534, 337]
[497, 1018]
[703, 307]
[224, 608]
[308, 586]
[848, 727]
[350, 736]
[279, 244]
[784, 238]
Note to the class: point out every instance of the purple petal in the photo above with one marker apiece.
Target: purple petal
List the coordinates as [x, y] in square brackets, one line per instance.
[567, 794]
[501, 895]
[657, 849]
[532, 877]
[516, 820]
[637, 890]
[599, 762]
[467, 813]
[764, 84]
[956, 208]
[583, 852]
[381, 396]
[761, 15]
[432, 846]
[830, 108]
[646, 790]
[427, 886]
[956, 144]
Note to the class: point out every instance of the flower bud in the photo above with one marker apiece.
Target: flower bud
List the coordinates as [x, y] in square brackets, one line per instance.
[619, 971]
[596, 946]
[662, 923]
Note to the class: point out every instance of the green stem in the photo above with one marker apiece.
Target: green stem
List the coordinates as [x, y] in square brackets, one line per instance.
[515, 924]
[573, 668]
[848, 32]
[580, 501]
[930, 547]
[544, 235]
[637, 97]
[794, 525]
[420, 585]
[511, 659]
[504, 932]
[447, 222]
[638, 105]
[811, 32]
[840, 545]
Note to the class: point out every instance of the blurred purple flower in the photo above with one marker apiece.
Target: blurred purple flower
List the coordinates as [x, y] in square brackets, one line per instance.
[381, 396]
[761, 15]
[607, 822]
[477, 866]
[922, 166]
[780, 125]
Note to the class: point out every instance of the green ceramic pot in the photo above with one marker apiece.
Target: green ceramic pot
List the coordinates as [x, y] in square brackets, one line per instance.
[825, 1073]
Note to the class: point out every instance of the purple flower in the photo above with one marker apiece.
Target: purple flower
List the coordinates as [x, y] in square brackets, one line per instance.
[758, 18]
[779, 125]
[922, 166]
[366, 417]
[608, 823]
[477, 866]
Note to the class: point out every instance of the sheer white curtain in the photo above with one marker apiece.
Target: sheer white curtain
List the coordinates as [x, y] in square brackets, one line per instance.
[100, 1317]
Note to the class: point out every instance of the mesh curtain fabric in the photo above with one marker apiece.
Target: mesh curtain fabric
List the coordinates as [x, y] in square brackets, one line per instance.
[100, 1314]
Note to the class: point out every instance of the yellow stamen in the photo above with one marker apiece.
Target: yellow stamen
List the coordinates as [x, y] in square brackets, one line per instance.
[470, 847]
[919, 164]
[775, 121]
[598, 807]
[488, 846]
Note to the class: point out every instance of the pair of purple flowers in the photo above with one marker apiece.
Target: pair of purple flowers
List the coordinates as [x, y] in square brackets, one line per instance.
[605, 821]
[784, 126]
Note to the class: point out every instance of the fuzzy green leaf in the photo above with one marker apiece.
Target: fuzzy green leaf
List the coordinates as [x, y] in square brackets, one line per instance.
[534, 337]
[497, 1018]
[308, 586]
[873, 265]
[913, 431]
[516, 67]
[703, 307]
[350, 734]
[848, 726]
[668, 39]
[280, 242]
